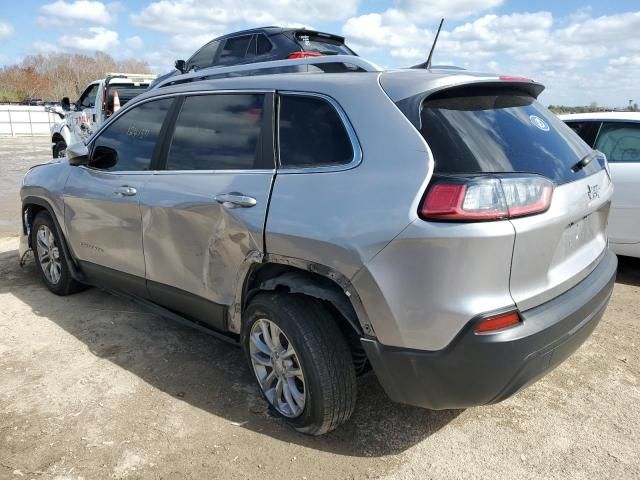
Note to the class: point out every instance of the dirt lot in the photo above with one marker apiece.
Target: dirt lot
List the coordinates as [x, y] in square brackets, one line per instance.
[91, 387]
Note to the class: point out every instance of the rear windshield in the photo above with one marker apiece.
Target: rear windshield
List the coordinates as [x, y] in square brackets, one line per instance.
[486, 130]
[125, 93]
[321, 44]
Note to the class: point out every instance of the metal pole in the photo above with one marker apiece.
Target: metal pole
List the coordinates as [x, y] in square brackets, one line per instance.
[10, 124]
[30, 124]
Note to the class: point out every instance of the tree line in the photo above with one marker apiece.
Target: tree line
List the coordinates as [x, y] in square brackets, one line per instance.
[56, 75]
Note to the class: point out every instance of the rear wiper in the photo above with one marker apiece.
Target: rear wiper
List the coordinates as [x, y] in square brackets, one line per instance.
[584, 161]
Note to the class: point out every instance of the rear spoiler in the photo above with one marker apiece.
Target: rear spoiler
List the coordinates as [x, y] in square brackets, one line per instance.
[411, 105]
[316, 33]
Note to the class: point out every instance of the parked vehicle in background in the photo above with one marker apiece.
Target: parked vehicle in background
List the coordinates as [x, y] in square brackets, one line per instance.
[617, 135]
[439, 226]
[260, 45]
[95, 105]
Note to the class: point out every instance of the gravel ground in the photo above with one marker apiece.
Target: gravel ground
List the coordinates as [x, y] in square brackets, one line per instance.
[92, 387]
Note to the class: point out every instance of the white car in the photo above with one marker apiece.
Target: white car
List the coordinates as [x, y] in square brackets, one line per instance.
[617, 135]
[99, 100]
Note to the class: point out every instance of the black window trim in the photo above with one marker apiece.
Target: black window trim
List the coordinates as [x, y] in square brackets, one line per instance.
[351, 133]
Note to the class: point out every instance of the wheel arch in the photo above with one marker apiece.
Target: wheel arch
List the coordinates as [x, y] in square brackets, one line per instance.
[296, 276]
[31, 206]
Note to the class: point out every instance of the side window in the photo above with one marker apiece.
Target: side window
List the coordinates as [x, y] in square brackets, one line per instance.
[88, 98]
[128, 143]
[264, 45]
[218, 132]
[311, 133]
[251, 50]
[204, 57]
[620, 141]
[235, 49]
[586, 130]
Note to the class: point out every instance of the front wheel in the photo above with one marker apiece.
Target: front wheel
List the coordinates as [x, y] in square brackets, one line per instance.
[60, 149]
[50, 257]
[301, 361]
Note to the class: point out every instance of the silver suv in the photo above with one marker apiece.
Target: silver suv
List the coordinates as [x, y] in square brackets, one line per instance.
[440, 227]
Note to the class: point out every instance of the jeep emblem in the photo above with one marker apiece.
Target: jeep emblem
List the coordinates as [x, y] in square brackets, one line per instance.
[593, 191]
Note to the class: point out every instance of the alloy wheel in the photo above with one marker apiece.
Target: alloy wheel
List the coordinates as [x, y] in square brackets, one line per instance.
[48, 254]
[277, 368]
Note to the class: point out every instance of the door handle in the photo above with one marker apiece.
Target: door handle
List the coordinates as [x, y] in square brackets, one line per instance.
[237, 199]
[126, 191]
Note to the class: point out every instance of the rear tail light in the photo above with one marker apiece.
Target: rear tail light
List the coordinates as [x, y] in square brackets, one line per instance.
[498, 322]
[304, 55]
[486, 198]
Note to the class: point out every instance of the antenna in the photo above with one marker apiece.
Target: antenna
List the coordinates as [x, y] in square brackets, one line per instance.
[427, 64]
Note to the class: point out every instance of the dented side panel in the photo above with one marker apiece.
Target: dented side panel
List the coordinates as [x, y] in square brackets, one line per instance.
[196, 244]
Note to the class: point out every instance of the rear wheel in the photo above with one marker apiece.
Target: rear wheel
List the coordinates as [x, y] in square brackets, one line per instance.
[60, 149]
[50, 257]
[301, 361]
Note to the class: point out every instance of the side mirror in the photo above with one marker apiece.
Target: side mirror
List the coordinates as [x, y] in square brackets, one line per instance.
[78, 154]
[65, 104]
[181, 65]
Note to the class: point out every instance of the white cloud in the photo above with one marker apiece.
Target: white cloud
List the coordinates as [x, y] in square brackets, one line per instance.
[207, 15]
[135, 42]
[96, 39]
[430, 10]
[6, 30]
[579, 56]
[61, 13]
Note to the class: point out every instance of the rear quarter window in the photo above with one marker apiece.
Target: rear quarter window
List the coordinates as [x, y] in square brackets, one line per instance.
[488, 130]
[311, 133]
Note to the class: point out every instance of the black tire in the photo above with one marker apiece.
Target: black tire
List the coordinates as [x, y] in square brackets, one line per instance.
[60, 149]
[323, 353]
[66, 284]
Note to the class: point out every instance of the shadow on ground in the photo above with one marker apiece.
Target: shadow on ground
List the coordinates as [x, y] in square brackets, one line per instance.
[629, 271]
[207, 373]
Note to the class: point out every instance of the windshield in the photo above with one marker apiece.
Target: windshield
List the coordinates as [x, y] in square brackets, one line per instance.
[487, 130]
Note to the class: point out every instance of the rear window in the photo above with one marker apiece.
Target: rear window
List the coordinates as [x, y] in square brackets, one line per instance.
[125, 93]
[319, 43]
[486, 130]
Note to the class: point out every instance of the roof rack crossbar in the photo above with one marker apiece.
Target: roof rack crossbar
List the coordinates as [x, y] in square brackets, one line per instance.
[202, 74]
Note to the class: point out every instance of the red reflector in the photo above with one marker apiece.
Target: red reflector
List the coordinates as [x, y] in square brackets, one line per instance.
[508, 78]
[498, 322]
[304, 55]
[444, 199]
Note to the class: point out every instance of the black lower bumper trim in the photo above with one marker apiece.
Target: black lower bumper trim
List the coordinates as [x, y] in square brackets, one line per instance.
[481, 369]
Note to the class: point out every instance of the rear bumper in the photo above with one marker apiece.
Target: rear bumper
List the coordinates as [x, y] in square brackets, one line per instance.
[482, 369]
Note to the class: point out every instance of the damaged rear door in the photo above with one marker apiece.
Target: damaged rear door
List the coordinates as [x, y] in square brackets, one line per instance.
[204, 212]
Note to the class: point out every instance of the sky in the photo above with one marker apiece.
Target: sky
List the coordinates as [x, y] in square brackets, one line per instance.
[582, 51]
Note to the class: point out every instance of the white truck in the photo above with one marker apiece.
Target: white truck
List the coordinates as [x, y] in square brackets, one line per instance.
[97, 103]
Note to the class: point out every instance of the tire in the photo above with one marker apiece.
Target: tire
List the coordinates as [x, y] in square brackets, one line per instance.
[321, 354]
[46, 244]
[60, 149]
